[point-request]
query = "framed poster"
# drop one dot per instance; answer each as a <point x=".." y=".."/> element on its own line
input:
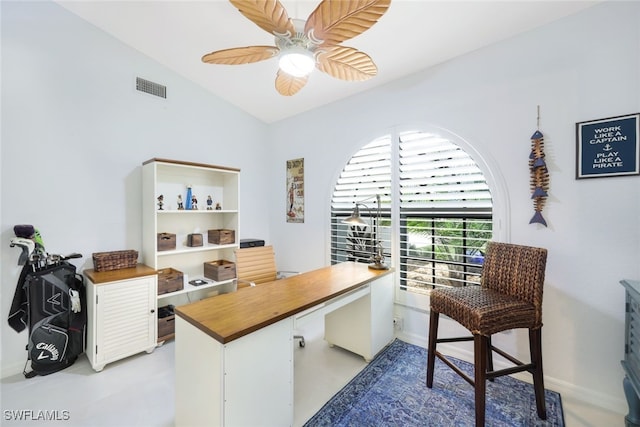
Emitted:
<point x="608" y="147"/>
<point x="295" y="190"/>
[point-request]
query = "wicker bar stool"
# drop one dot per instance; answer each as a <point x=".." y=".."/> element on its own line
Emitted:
<point x="509" y="297"/>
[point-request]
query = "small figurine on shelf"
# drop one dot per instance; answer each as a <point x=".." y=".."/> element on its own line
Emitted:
<point x="180" y="204"/>
<point x="218" y="207"/>
<point x="189" y="197"/>
<point x="194" y="203"/>
<point x="160" y="202"/>
<point x="209" y="203"/>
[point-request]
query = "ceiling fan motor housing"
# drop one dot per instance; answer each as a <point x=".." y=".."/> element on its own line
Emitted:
<point x="297" y="51"/>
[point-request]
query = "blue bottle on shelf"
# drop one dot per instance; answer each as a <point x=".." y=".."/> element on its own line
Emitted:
<point x="187" y="204"/>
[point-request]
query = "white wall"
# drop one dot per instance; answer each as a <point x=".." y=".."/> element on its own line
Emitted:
<point x="75" y="133"/>
<point x="580" y="68"/>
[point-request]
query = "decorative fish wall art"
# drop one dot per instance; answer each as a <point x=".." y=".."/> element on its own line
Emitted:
<point x="539" y="177"/>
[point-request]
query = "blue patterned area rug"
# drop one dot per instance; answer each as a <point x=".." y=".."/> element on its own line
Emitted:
<point x="391" y="391"/>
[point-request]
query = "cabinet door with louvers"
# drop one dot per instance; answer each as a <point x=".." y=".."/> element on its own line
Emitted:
<point x="125" y="319"/>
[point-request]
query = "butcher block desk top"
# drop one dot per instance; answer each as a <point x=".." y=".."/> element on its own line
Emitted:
<point x="230" y="316"/>
<point x="100" y="277"/>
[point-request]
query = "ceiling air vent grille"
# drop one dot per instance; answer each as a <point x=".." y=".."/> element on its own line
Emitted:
<point x="151" y="88"/>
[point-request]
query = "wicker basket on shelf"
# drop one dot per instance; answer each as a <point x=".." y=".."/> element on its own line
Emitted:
<point x="116" y="260"/>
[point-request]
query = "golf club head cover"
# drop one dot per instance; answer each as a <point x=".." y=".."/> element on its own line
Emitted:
<point x="24" y="230"/>
<point x="28" y="231"/>
<point x="37" y="238"/>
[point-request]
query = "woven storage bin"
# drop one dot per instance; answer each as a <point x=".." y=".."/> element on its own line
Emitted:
<point x="169" y="280"/>
<point x="220" y="270"/>
<point x="222" y="237"/>
<point x="117" y="260"/>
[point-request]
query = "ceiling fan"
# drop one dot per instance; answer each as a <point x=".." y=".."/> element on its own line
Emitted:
<point x="304" y="45"/>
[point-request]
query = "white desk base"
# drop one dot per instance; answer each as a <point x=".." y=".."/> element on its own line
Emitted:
<point x="242" y="383"/>
<point x="249" y="381"/>
<point x="365" y="325"/>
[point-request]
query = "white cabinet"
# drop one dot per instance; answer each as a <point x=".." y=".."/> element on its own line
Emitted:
<point x="121" y="310"/>
<point x="170" y="179"/>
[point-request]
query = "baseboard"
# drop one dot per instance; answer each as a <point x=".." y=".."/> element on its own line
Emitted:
<point x="566" y="390"/>
<point x="587" y="396"/>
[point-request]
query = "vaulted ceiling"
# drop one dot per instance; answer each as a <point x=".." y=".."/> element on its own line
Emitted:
<point x="413" y="35"/>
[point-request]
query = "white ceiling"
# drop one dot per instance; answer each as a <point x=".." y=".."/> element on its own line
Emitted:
<point x="411" y="36"/>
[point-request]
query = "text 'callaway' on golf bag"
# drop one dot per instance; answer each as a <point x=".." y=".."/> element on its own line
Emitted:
<point x="50" y="300"/>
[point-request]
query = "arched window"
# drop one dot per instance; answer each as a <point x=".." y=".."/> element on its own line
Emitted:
<point x="435" y="209"/>
<point x="366" y="176"/>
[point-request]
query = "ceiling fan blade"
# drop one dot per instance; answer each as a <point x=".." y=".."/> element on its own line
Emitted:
<point x="288" y="85"/>
<point x="269" y="15"/>
<point x="335" y="21"/>
<point x="241" y="55"/>
<point x="346" y="63"/>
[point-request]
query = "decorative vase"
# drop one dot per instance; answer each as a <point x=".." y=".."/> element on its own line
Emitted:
<point x="187" y="204"/>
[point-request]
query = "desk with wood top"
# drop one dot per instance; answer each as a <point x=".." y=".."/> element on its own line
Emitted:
<point x="234" y="352"/>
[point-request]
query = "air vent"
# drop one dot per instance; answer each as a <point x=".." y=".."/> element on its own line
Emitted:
<point x="151" y="88"/>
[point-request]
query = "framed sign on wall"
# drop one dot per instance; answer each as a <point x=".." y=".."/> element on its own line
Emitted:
<point x="608" y="147"/>
<point x="295" y="190"/>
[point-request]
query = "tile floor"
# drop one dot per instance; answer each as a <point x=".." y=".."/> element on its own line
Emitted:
<point x="138" y="391"/>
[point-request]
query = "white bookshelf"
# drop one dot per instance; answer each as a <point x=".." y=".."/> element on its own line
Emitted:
<point x="170" y="178"/>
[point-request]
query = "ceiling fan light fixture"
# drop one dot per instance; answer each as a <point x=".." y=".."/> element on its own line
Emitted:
<point x="297" y="61"/>
<point x="303" y="45"/>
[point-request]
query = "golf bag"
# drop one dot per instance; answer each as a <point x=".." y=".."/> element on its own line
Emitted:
<point x="50" y="300"/>
<point x="57" y="318"/>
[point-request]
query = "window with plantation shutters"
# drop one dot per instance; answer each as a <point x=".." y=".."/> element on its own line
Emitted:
<point x="445" y="213"/>
<point x="367" y="175"/>
<point x="436" y="210"/>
